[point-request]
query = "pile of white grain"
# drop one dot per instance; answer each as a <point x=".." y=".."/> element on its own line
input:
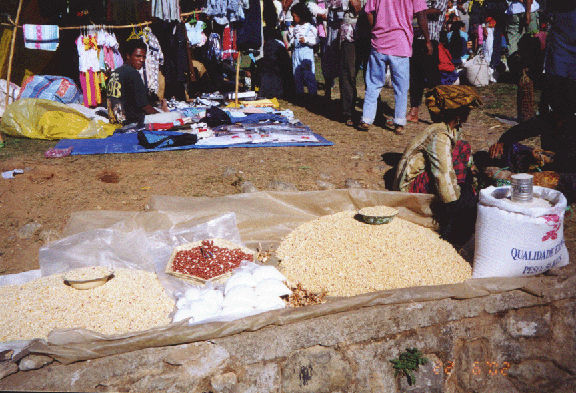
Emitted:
<point x="344" y="256"/>
<point x="132" y="300"/>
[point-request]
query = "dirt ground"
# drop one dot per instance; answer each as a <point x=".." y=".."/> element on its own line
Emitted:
<point x="51" y="189"/>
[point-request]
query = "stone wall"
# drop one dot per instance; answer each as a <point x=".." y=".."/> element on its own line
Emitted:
<point x="508" y="342"/>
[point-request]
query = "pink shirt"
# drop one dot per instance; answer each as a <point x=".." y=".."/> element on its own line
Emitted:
<point x="392" y="33"/>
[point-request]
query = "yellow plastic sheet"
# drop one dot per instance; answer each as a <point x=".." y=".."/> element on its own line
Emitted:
<point x="44" y="119"/>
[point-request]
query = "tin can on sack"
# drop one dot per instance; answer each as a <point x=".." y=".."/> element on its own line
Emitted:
<point x="521" y="186"/>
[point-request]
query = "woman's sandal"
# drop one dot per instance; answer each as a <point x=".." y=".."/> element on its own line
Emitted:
<point x="390" y="123"/>
<point x="412" y="119"/>
<point x="363" y="126"/>
<point x="349" y="122"/>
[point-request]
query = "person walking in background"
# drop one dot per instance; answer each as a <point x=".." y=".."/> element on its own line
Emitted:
<point x="329" y="17"/>
<point x="392" y="37"/>
<point x="522" y="19"/>
<point x="303" y="36"/>
<point x="423" y="68"/>
<point x="354" y="50"/>
<point x="463" y="14"/>
<point x="488" y="42"/>
<point x="496" y="9"/>
<point x="476" y="20"/>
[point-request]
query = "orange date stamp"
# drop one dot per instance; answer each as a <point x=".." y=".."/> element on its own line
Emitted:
<point x="487" y="368"/>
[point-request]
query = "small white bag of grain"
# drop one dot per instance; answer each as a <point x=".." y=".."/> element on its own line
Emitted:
<point x="271" y="287"/>
<point x="519" y="239"/>
<point x="240" y="278"/>
<point x="242" y="295"/>
<point x="269" y="303"/>
<point x="238" y="311"/>
<point x="202" y="310"/>
<point x="266" y="272"/>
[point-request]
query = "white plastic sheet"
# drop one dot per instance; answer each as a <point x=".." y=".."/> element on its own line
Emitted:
<point x="121" y="246"/>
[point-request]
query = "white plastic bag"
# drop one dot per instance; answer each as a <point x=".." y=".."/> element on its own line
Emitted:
<point x="514" y="239"/>
<point x="269" y="303"/>
<point x="476" y="71"/>
<point x="272" y="287"/>
<point x="240" y="295"/>
<point x="265" y="272"/>
<point x="239" y="279"/>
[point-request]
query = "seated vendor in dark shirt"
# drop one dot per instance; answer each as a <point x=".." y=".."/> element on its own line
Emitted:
<point x="127" y="95"/>
<point x="554" y="165"/>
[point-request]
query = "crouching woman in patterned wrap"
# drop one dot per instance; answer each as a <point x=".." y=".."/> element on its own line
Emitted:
<point x="438" y="162"/>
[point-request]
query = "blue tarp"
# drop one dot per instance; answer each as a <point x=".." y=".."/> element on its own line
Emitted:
<point x="128" y="143"/>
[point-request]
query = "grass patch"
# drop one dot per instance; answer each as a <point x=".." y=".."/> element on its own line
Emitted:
<point x="18" y="147"/>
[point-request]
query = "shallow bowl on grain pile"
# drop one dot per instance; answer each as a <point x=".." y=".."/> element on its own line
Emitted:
<point x="94" y="281"/>
<point x="377" y="215"/>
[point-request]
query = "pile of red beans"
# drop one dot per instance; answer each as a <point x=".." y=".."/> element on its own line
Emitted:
<point x="208" y="261"/>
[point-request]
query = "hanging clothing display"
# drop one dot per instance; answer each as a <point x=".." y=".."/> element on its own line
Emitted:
<point x="196" y="36"/>
<point x="229" y="43"/>
<point x="173" y="42"/>
<point x="250" y="33"/>
<point x="225" y="11"/>
<point x="88" y="58"/>
<point x="167" y="10"/>
<point x="112" y="57"/>
<point x="97" y="53"/>
<point x="43" y="37"/>
<point x="154" y="59"/>
<point x="214" y="49"/>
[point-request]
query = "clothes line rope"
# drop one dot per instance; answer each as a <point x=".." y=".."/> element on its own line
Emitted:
<point x="107" y="26"/>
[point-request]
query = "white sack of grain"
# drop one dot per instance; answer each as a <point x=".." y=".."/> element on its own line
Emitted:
<point x="182" y="314"/>
<point x="183" y="303"/>
<point x="213" y="296"/>
<point x="205" y="318"/>
<point x="192" y="294"/>
<point x="269" y="303"/>
<point x="240" y="278"/>
<point x="202" y="310"/>
<point x="240" y="295"/>
<point x="476" y="71"/>
<point x="514" y="239"/>
<point x="238" y="311"/>
<point x="272" y="287"/>
<point x="246" y="267"/>
<point x="265" y="272"/>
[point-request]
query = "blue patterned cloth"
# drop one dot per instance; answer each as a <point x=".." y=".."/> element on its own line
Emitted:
<point x="43" y="37"/>
<point x="49" y="87"/>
